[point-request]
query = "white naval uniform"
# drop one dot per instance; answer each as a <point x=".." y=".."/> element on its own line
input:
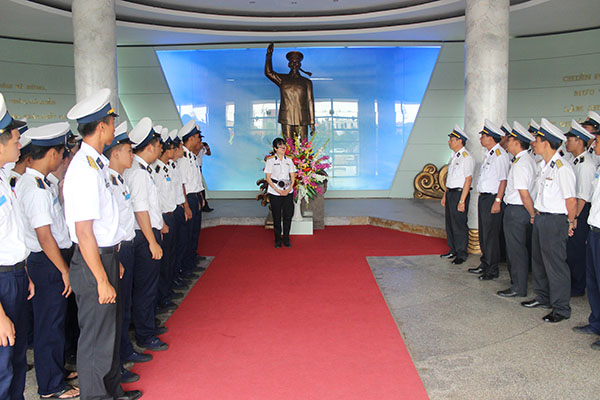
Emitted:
<point x="554" y="184"/>
<point x="201" y="154"/>
<point x="585" y="170"/>
<point x="521" y="176"/>
<point x="54" y="181"/>
<point x="494" y="169"/>
<point x="176" y="177"/>
<point x="591" y="151"/>
<point x="12" y="234"/>
<point x="594" y="218"/>
<point x="123" y="196"/>
<point x="88" y="196"/>
<point x="40" y="207"/>
<point x="144" y="193"/>
<point x="280" y="170"/>
<point x="460" y="167"/>
<point x="562" y="151"/>
<point x="165" y="186"/>
<point x="191" y="177"/>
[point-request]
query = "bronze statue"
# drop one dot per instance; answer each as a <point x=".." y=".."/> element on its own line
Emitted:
<point x="297" y="106"/>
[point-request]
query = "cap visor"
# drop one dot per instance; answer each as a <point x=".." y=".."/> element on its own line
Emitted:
<point x="15" y="124"/>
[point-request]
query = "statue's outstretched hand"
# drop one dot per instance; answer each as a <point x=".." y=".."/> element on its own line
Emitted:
<point x="270" y="49"/>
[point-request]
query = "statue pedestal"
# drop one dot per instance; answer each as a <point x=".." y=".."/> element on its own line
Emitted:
<point x="316" y="209"/>
<point x="302" y="227"/>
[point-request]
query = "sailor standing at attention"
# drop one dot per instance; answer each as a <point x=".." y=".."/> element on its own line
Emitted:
<point x="555" y="204"/>
<point x="13" y="276"/>
<point x="47" y="236"/>
<point x="457" y="195"/>
<point x="519" y="212"/>
<point x="491" y="186"/>
<point x="577" y="140"/>
<point x="92" y="216"/>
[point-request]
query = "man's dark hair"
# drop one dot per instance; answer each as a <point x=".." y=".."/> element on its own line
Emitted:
<point x="108" y="152"/>
<point x="140" y="149"/>
<point x="90" y="127"/>
<point x="5" y="136"/>
<point x="277" y="142"/>
<point x="168" y="146"/>
<point x="524" y="145"/>
<point x="553" y="145"/>
<point x="39" y="152"/>
<point x="497" y="140"/>
<point x="463" y="141"/>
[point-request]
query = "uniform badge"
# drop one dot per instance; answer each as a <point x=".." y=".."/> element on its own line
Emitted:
<point x="559" y="163"/>
<point x="40" y="183"/>
<point x="464" y="153"/>
<point x="114" y="180"/>
<point x="515" y="160"/>
<point x="13" y="181"/>
<point x="92" y="162"/>
<point x="2" y="200"/>
<point x="498" y="152"/>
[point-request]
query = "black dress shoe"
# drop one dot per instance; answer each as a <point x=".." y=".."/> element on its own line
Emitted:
<point x="586" y="330"/>
<point x="448" y="255"/>
<point x="554" y="317"/>
<point x="130" y="395"/>
<point x="487" y="277"/>
<point x="506" y="293"/>
<point x="161" y="330"/>
<point x="534" y="303"/>
<point x="277" y="245"/>
<point x="128" y="376"/>
<point x="287" y="244"/>
<point x="477" y="270"/>
<point x="175" y="296"/>
<point x="458" y="261"/>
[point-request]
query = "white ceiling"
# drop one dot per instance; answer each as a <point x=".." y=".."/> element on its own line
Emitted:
<point x="160" y="22"/>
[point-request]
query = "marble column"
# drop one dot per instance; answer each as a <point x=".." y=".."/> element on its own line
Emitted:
<point x="95" y="47"/>
<point x="486" y="76"/>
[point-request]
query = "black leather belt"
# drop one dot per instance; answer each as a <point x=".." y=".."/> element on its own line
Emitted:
<point x="487" y="194"/>
<point x="547" y="213"/>
<point x="9" y="268"/>
<point x="127" y="242"/>
<point x="457" y="189"/>
<point x="105" y="250"/>
<point x="594" y="229"/>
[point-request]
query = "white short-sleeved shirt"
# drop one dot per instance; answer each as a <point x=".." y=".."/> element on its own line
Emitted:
<point x="54" y="181"/>
<point x="123" y="196"/>
<point x="12" y="234"/>
<point x="584" y="169"/>
<point x="280" y="170"/>
<point x="555" y="183"/>
<point x="521" y="176"/>
<point x="177" y="185"/>
<point x="191" y="177"/>
<point x="165" y="186"/>
<point x="591" y="151"/>
<point x="40" y="207"/>
<point x="460" y="167"/>
<point x="201" y="155"/>
<point x="494" y="169"/>
<point x="88" y="196"/>
<point x="144" y="194"/>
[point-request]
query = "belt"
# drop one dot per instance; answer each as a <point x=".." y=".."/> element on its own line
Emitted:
<point x="12" y="268"/>
<point x="105" y="250"/>
<point x="488" y="194"/>
<point x="547" y="213"/>
<point x="594" y="229"/>
<point x="127" y="242"/>
<point x="457" y="189"/>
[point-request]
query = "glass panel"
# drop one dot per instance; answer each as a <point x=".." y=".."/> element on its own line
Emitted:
<point x="367" y="100"/>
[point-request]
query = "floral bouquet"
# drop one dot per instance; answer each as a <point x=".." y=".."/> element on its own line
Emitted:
<point x="310" y="166"/>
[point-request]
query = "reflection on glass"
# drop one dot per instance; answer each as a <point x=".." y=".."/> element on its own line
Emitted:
<point x="367" y="100"/>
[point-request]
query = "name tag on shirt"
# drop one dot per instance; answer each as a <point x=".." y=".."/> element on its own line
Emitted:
<point x="168" y="179"/>
<point x="55" y="200"/>
<point x="2" y="200"/>
<point x="127" y="196"/>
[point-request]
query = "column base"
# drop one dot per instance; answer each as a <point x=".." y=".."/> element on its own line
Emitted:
<point x="473" y="245"/>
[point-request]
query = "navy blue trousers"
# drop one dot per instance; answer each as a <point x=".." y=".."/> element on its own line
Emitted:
<point x="49" y="312"/>
<point x="180" y="246"/>
<point x="576" y="253"/>
<point x="168" y="260"/>
<point x="126" y="258"/>
<point x="593" y="278"/>
<point x="192" y="227"/>
<point x="13" y="360"/>
<point x="145" y="287"/>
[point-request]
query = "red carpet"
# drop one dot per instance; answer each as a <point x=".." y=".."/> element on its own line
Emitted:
<point x="302" y="323"/>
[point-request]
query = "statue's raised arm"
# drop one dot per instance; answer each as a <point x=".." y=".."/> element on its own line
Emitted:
<point x="297" y="108"/>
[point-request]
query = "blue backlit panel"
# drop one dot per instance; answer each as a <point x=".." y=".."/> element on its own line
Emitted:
<point x="366" y="102"/>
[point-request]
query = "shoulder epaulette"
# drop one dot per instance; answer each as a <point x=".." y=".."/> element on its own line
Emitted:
<point x="40" y="183"/>
<point x="559" y="163"/>
<point x="114" y="180"/>
<point x="13" y="181"/>
<point x="464" y="153"/>
<point x="92" y="163"/>
<point x="516" y="159"/>
<point x="498" y="153"/>
<point x="269" y="157"/>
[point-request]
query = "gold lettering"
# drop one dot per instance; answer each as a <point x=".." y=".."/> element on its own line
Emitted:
<point x="584" y="92"/>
